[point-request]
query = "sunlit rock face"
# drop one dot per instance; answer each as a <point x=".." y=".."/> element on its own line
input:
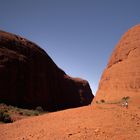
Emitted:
<point x="122" y="75"/>
<point x="29" y="78"/>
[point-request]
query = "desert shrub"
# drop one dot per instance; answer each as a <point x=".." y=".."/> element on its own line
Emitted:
<point x="36" y="113"/>
<point x="125" y="98"/>
<point x="29" y="113"/>
<point x="97" y="102"/>
<point x="1" y="115"/>
<point x="26" y="113"/>
<point x="39" y="108"/>
<point x="102" y="101"/>
<point x="5" y="117"/>
<point x="20" y="112"/>
<point x="6" y="111"/>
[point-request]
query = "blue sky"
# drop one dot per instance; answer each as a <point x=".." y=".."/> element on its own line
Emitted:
<point x="79" y="35"/>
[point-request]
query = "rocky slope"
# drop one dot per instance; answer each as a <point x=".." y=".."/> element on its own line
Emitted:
<point x="30" y="78"/>
<point x="122" y="74"/>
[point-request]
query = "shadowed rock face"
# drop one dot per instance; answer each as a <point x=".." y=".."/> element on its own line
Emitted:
<point x="122" y="75"/>
<point x="30" y="78"/>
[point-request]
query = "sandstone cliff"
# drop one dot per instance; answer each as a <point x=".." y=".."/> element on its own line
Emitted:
<point x="30" y="78"/>
<point x="122" y="74"/>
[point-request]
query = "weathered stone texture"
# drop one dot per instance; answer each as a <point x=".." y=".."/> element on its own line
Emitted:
<point x="30" y="78"/>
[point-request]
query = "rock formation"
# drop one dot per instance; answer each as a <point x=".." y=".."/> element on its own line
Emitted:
<point x="29" y="78"/>
<point x="121" y="77"/>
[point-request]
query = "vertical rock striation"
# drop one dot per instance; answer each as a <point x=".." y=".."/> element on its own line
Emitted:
<point x="30" y="78"/>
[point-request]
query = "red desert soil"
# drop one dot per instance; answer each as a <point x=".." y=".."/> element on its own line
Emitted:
<point x="94" y="122"/>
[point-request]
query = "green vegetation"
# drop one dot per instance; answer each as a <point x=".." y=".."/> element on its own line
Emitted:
<point x="7" y="112"/>
<point x="27" y="112"/>
<point x="39" y="109"/>
<point x="125" y="98"/>
<point x="5" y="117"/>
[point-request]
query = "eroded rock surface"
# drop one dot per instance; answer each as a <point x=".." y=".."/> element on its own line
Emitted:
<point x="30" y="78"/>
<point x="122" y="75"/>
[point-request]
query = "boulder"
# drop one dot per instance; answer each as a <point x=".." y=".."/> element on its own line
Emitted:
<point x="29" y="78"/>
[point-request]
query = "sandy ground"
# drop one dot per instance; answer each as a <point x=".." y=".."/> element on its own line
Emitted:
<point x="94" y="122"/>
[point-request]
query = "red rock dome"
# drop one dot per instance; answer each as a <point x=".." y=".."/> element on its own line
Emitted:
<point x="29" y="77"/>
<point x="122" y="75"/>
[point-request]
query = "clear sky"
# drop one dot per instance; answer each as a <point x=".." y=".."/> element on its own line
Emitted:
<point x="79" y="35"/>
